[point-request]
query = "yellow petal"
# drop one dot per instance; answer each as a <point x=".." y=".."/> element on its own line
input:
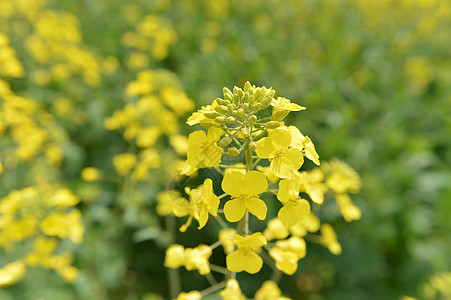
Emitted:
<point x="254" y="183"/>
<point x="288" y="215"/>
<point x="302" y="208"/>
<point x="214" y="134"/>
<point x="235" y="260"/>
<point x="257" y="207"/>
<point x="232" y="183"/>
<point x="264" y="148"/>
<point x="280" y="137"/>
<point x="253" y="263"/>
<point x="234" y="210"/>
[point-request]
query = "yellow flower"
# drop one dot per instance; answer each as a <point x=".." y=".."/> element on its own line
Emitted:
<point x="276" y="147"/>
<point x="197" y="259"/>
<point x="193" y="295"/>
<point x="11" y="273"/>
<point x="245" y="257"/>
<point x="298" y="140"/>
<point x="244" y="189"/>
<point x="286" y="261"/>
<point x="226" y="235"/>
<point x="232" y="291"/>
<point x="200" y="118"/>
<point x="170" y="201"/>
<point x="282" y="107"/>
<point x="348" y="210"/>
<point x="341" y="178"/>
<point x="64" y="225"/>
<point x="90" y="174"/>
<point x="310" y="224"/>
<point x="175" y="256"/>
<point x="294" y="207"/>
<point x="202" y="202"/>
<point x="311" y="184"/>
<point x="329" y="239"/>
<point x="275" y="230"/>
<point x="124" y="162"/>
<point x="203" y="151"/>
<point x="269" y="291"/>
<point x="287" y="253"/>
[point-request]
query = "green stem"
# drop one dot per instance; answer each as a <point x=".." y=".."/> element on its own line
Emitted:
<point x="173" y="274"/>
<point x="213" y="288"/>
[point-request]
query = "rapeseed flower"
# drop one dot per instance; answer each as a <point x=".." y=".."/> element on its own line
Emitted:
<point x="276" y="147"/>
<point x="244" y="189"/>
<point x="294" y="207"/>
<point x="203" y="151"/>
<point x="232" y="291"/>
<point x="245" y="258"/>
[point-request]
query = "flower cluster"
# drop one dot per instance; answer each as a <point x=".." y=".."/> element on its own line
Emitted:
<point x="157" y="101"/>
<point x="38" y="216"/>
<point x="152" y="34"/>
<point x="259" y="158"/>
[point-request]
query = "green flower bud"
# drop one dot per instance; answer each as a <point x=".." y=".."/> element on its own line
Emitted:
<point x="279" y="115"/>
<point x="225" y="141"/>
<point x="247" y="86"/>
<point x="266" y="101"/>
<point x="221" y="109"/>
<point x="233" y="151"/>
<point x="240" y="112"/>
<point x="222" y="101"/>
<point x="252" y="119"/>
<point x="245" y="106"/>
<point x="230" y="108"/>
<point x="257" y="106"/>
<point x="221" y="119"/>
<point x="227" y="94"/>
<point x="272" y="124"/>
<point x="252" y="145"/>
<point x="211" y="114"/>
<point x="231" y="120"/>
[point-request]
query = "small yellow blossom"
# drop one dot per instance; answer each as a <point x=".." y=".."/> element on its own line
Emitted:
<point x="203" y="151"/>
<point x="175" y="256"/>
<point x="341" y="178"/>
<point x="226" y="235"/>
<point x="269" y="291"/>
<point x="232" y="291"/>
<point x="276" y="147"/>
<point x="90" y="174"/>
<point x="294" y="207"/>
<point x="123" y="163"/>
<point x="348" y="210"/>
<point x="310" y="224"/>
<point x="200" y="118"/>
<point x="282" y="107"/>
<point x="203" y="201"/>
<point x="193" y="295"/>
<point x="197" y="259"/>
<point x="245" y="257"/>
<point x="11" y="273"/>
<point x="275" y="230"/>
<point x="329" y="239"/>
<point x="286" y="261"/>
<point x="244" y="189"/>
<point x="312" y="184"/>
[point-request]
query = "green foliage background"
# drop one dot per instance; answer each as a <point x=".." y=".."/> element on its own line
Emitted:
<point x="375" y="77"/>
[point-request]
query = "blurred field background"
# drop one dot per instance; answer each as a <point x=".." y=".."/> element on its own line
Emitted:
<point x="375" y="77"/>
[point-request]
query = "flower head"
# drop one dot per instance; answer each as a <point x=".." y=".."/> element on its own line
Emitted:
<point x="244" y="189"/>
<point x="276" y="147"/>
<point x="245" y="257"/>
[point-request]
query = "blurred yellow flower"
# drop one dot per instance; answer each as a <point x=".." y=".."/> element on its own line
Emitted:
<point x="269" y="291"/>
<point x="90" y="174"/>
<point x="329" y="239"/>
<point x="123" y="163"/>
<point x="232" y="291"/>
